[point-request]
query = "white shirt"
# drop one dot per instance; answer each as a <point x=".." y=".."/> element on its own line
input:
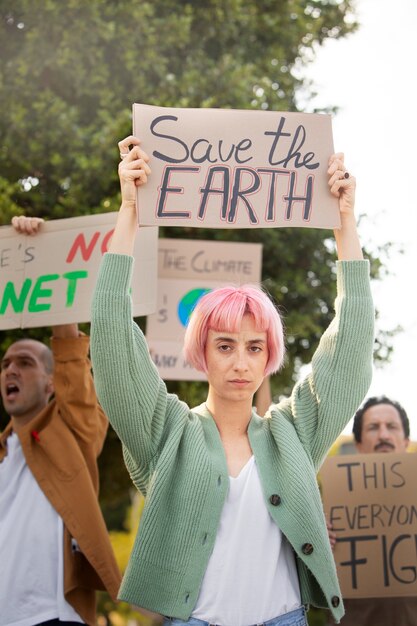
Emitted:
<point x="251" y="576"/>
<point x="31" y="547"/>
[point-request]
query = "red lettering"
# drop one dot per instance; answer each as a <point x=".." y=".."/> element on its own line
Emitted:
<point x="81" y="244"/>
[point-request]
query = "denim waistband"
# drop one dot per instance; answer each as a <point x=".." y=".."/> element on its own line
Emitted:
<point x="293" y="618"/>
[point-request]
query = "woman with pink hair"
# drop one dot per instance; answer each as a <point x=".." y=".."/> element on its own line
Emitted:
<point x="233" y="531"/>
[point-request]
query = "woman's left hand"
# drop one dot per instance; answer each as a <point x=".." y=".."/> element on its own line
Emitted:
<point x="342" y="184"/>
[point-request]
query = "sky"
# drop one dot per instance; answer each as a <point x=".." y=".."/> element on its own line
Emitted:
<point x="370" y="77"/>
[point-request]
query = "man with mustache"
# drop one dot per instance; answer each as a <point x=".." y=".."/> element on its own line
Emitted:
<point x="380" y="425"/>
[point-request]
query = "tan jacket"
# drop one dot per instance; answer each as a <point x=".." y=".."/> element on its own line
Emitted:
<point x="61" y="445"/>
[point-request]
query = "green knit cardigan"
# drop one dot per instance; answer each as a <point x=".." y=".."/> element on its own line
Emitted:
<point x="176" y="459"/>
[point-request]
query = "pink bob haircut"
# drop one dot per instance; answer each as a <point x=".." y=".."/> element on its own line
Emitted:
<point x="222" y="310"/>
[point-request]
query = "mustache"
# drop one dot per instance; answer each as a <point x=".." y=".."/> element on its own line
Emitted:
<point x="384" y="444"/>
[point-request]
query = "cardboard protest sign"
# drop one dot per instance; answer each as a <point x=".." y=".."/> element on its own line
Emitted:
<point x="49" y="278"/>
<point x="371" y="502"/>
<point x="225" y="168"/>
<point x="186" y="270"/>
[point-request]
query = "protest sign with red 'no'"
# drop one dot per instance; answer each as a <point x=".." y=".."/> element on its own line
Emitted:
<point x="49" y="278"/>
<point x="223" y="168"/>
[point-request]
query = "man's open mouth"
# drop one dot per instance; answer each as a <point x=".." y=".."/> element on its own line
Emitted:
<point x="11" y="389"/>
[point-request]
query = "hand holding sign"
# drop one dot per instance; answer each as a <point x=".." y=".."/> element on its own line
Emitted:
<point x="342" y="185"/>
<point x="133" y="168"/>
<point x="26" y="225"/>
<point x="133" y="172"/>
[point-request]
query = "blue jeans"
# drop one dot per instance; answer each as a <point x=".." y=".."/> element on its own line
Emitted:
<point x="294" y="618"/>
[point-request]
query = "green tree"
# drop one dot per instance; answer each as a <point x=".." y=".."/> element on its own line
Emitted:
<point x="69" y="74"/>
<point x="71" y="70"/>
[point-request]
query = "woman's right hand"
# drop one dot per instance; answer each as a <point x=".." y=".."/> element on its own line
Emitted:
<point x="133" y="168"/>
<point x="133" y="172"/>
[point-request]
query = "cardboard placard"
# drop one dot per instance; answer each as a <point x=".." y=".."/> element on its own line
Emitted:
<point x="49" y="278"/>
<point x="225" y="168"/>
<point x="371" y="502"/>
<point x="186" y="270"/>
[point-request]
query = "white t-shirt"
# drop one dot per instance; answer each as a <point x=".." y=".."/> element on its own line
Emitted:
<point x="251" y="576"/>
<point x="31" y="548"/>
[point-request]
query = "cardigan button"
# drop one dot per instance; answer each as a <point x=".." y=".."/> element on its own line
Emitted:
<point x="307" y="548"/>
<point x="275" y="499"/>
<point x="335" y="601"/>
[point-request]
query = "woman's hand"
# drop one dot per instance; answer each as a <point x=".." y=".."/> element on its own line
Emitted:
<point x="133" y="172"/>
<point x="342" y="184"/>
<point x="133" y="168"/>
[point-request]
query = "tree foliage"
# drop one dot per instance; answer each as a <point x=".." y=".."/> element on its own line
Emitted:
<point x="69" y="74"/>
<point x="71" y="70"/>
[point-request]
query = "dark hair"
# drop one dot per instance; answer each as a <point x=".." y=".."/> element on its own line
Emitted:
<point x="375" y="400"/>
